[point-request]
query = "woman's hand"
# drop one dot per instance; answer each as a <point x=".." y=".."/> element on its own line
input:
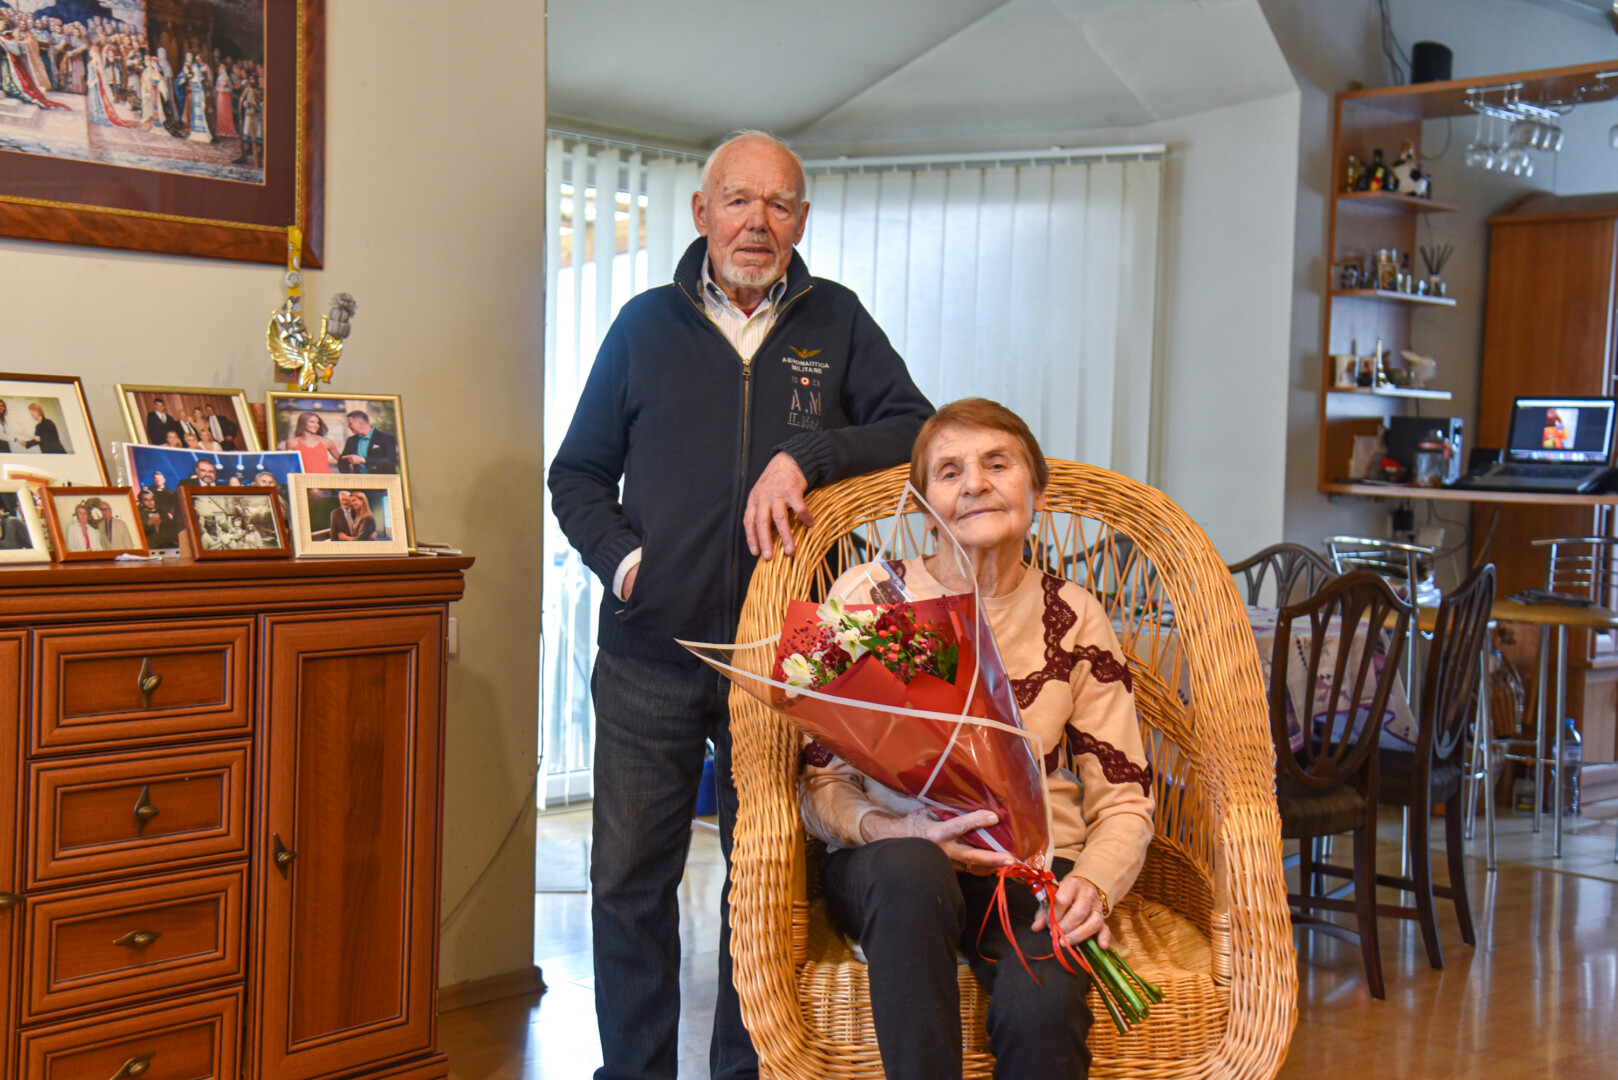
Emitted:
<point x="881" y="825"/>
<point x="1078" y="912"/>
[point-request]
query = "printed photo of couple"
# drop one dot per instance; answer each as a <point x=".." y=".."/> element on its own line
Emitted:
<point x="335" y="434"/>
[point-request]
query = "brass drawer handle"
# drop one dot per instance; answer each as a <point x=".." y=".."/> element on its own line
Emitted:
<point x="283" y="854"/>
<point x="135" y="1066"/>
<point x="144" y="809"/>
<point x="139" y="939"/>
<point x="9" y="900"/>
<point x="148" y="681"/>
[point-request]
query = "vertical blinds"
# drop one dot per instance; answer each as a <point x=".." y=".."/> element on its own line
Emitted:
<point x="1033" y="284"/>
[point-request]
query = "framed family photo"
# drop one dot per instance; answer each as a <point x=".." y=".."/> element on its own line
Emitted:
<point x="158" y="472"/>
<point x="93" y="523"/>
<point x="348" y="515"/>
<point x="22" y="532"/>
<point x="45" y="423"/>
<point x="188" y="417"/>
<point x="193" y="127"/>
<point x="235" y="523"/>
<point x="353" y="434"/>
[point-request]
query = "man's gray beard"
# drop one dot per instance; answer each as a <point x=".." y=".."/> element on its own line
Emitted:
<point x="747" y="276"/>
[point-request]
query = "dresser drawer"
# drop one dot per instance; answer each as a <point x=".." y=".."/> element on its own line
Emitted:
<point x="136" y="812"/>
<point x="90" y="947"/>
<point x="141" y="683"/>
<point x="191" y="1039"/>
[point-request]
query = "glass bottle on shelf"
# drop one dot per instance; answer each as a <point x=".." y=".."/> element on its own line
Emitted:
<point x="1356" y="171"/>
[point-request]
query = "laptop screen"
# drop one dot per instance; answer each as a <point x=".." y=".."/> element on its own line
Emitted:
<point x="1572" y="429"/>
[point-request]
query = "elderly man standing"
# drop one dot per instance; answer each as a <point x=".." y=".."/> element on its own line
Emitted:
<point x="719" y="401"/>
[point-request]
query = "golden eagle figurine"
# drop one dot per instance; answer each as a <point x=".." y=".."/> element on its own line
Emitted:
<point x="314" y="358"/>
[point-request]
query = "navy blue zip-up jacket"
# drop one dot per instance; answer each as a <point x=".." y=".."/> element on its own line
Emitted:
<point x="671" y="408"/>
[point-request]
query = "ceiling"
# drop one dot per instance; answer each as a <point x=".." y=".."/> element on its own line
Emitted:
<point x="834" y="75"/>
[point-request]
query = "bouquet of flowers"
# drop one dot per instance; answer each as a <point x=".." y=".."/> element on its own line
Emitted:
<point x="912" y="693"/>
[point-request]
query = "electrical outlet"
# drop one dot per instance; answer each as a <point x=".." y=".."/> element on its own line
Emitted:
<point x="452" y="640"/>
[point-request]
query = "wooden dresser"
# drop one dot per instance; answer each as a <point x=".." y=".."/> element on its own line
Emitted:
<point x="221" y="853"/>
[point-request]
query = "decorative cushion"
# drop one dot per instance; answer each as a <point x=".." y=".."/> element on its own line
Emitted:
<point x="1307" y="811"/>
<point x="1397" y="774"/>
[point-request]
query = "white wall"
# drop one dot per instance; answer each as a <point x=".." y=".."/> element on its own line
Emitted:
<point x="1328" y="45"/>
<point x="434" y="224"/>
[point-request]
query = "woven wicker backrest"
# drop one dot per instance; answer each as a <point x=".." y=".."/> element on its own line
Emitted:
<point x="1216" y="857"/>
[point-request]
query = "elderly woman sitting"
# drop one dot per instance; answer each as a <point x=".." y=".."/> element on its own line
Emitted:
<point x="902" y="882"/>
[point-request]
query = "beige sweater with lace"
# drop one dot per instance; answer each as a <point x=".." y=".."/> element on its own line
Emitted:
<point x="1074" y="690"/>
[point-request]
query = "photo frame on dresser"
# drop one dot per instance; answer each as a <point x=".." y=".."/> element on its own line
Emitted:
<point x="22" y="532"/>
<point x="188" y="417"/>
<point x="45" y="423"/>
<point x="235" y="523"/>
<point x="89" y="523"/>
<point x="348" y="515"/>
<point x="329" y="431"/>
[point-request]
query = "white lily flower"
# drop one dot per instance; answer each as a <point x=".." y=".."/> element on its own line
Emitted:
<point x="863" y="618"/>
<point x="849" y="639"/>
<point x="832" y="612"/>
<point x="797" y="670"/>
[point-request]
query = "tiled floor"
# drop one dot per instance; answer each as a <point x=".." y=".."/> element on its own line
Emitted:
<point x="1536" y="997"/>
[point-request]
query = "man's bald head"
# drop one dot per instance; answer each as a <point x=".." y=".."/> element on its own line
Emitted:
<point x="752" y="139"/>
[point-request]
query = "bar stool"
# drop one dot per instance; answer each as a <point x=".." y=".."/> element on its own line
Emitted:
<point x="1579" y="567"/>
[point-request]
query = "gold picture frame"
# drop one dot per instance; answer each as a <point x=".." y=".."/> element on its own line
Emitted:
<point x="316" y="502"/>
<point x="135" y="401"/>
<point x="283" y="412"/>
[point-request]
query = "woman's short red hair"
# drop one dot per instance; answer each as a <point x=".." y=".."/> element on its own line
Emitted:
<point x="982" y="415"/>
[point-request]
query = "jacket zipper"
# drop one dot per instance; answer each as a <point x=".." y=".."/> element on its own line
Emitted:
<point x="747" y="419"/>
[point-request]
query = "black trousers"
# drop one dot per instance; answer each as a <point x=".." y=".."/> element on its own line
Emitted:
<point x="651" y="720"/>
<point x="911" y="911"/>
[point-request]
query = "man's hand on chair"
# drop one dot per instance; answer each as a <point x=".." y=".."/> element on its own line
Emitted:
<point x="779" y="490"/>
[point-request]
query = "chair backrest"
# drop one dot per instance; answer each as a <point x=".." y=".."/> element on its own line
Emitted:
<point x="1452" y="666"/>
<point x="1407" y="567"/>
<point x="1297" y="571"/>
<point x="1581" y="566"/>
<point x="1343" y="622"/>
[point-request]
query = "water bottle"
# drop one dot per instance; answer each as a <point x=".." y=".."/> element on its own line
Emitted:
<point x="1568" y="773"/>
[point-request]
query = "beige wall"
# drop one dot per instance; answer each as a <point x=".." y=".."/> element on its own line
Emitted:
<point x="434" y="208"/>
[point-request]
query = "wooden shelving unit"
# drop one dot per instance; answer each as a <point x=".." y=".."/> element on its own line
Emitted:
<point x="1360" y="223"/>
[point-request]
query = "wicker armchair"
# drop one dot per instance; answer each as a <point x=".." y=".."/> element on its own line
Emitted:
<point x="1207" y="919"/>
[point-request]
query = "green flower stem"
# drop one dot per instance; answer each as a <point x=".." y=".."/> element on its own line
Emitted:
<point x="1118" y="1021"/>
<point x="1105" y="964"/>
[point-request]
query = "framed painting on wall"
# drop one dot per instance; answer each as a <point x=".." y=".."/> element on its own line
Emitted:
<point x="192" y="127"/>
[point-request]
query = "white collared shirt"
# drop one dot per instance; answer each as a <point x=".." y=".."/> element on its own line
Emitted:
<point x="745" y="331"/>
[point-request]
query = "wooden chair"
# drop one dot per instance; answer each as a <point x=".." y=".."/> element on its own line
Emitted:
<point x="1432" y="773"/>
<point x="1206" y="921"/>
<point x="1288" y="565"/>
<point x="1326" y="782"/>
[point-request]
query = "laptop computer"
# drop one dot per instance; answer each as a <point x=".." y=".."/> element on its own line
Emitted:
<point x="1556" y="445"/>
